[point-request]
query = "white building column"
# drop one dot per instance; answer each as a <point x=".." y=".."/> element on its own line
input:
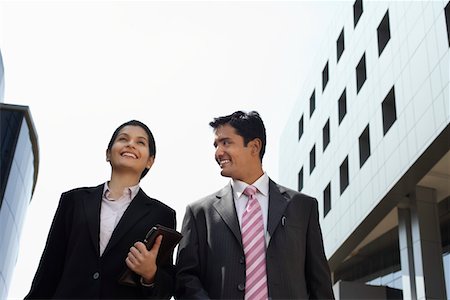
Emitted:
<point x="406" y="252"/>
<point x="420" y="246"/>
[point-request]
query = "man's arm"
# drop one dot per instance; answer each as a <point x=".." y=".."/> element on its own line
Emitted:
<point x="318" y="277"/>
<point x="189" y="275"/>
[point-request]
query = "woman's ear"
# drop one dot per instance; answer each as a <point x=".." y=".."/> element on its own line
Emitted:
<point x="108" y="155"/>
<point x="150" y="162"/>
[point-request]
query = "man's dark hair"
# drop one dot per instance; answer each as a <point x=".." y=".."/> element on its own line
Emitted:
<point x="248" y="125"/>
<point x="151" y="139"/>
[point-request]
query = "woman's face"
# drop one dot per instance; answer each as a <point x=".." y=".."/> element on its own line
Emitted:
<point x="130" y="150"/>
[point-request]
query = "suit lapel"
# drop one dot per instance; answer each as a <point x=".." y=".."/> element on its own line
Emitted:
<point x="138" y="208"/>
<point x="224" y="206"/>
<point x="277" y="206"/>
<point x="92" y="209"/>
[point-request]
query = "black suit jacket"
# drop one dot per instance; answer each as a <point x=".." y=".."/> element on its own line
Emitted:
<point x="211" y="262"/>
<point x="71" y="267"/>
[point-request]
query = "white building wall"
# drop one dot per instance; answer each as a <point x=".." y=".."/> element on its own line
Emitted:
<point x="416" y="62"/>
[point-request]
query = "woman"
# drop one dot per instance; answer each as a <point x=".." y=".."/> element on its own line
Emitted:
<point x="96" y="231"/>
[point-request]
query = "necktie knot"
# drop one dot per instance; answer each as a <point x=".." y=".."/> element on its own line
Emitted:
<point x="250" y="191"/>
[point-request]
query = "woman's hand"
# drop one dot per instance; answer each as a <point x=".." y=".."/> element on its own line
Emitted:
<point x="142" y="261"/>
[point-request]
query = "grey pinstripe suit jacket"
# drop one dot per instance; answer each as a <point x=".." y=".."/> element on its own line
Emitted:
<point x="211" y="263"/>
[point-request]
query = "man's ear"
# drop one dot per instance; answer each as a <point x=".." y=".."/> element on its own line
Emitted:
<point x="150" y="162"/>
<point x="255" y="146"/>
<point x="108" y="155"/>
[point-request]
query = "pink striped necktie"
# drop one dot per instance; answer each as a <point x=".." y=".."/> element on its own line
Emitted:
<point x="254" y="248"/>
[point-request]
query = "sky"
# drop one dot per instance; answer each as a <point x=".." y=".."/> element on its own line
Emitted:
<point x="86" y="67"/>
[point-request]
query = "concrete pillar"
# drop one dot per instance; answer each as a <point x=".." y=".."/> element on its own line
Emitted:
<point x="420" y="246"/>
<point x="406" y="252"/>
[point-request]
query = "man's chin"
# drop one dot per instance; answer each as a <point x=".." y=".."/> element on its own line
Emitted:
<point x="224" y="173"/>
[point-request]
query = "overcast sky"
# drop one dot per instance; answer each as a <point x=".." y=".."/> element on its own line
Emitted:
<point x="84" y="68"/>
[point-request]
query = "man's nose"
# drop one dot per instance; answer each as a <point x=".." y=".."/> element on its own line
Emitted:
<point x="219" y="152"/>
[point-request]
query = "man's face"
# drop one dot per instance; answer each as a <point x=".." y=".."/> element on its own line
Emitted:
<point x="235" y="159"/>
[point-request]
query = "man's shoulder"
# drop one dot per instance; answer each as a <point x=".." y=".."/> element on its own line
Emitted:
<point x="209" y="200"/>
<point x="293" y="194"/>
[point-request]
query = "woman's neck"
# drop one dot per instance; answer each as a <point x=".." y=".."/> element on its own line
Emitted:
<point x="119" y="182"/>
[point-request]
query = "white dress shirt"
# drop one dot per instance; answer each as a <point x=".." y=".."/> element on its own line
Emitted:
<point x="262" y="195"/>
<point x="111" y="212"/>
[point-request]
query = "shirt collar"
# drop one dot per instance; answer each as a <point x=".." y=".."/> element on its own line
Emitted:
<point x="261" y="184"/>
<point x="129" y="192"/>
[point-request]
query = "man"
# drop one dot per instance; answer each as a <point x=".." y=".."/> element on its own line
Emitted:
<point x="253" y="239"/>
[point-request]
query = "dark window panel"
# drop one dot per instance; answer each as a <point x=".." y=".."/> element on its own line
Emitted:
<point x="447" y="20"/>
<point x="300" y="128"/>
<point x="357" y="11"/>
<point x="325" y="77"/>
<point x="327" y="199"/>
<point x="300" y="180"/>
<point x="383" y="33"/>
<point x="361" y="73"/>
<point x="312" y="159"/>
<point x="389" y="111"/>
<point x="326" y="134"/>
<point x="343" y="174"/>
<point x="312" y="103"/>
<point x="364" y="146"/>
<point x="342" y="106"/>
<point x="340" y="45"/>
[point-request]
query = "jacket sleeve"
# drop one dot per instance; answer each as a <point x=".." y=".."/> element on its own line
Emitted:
<point x="51" y="265"/>
<point x="188" y="278"/>
<point x="318" y="276"/>
<point x="164" y="284"/>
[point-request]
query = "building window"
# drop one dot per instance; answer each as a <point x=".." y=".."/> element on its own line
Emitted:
<point x="361" y="73"/>
<point x="389" y="111"/>
<point x="447" y="19"/>
<point x="300" y="128"/>
<point x="384" y="33"/>
<point x="343" y="174"/>
<point x="327" y="199"/>
<point x="300" y="180"/>
<point x="312" y="159"/>
<point x="326" y="134"/>
<point x="340" y="45"/>
<point x="357" y="11"/>
<point x="364" y="146"/>
<point x="312" y="103"/>
<point x="324" y="77"/>
<point x="342" y="106"/>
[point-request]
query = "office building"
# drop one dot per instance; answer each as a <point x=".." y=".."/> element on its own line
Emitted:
<point x="369" y="137"/>
<point x="18" y="174"/>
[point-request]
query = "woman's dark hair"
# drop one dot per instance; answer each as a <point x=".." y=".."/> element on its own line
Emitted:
<point x="151" y="139"/>
<point x="248" y="125"/>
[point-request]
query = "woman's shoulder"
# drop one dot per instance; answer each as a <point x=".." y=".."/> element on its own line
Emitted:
<point x="84" y="190"/>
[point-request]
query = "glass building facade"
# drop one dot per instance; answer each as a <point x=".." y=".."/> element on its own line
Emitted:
<point x="18" y="174"/>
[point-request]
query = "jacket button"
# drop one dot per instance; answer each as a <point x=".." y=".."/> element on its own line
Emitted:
<point x="241" y="287"/>
<point x="96" y="275"/>
<point x="242" y="260"/>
